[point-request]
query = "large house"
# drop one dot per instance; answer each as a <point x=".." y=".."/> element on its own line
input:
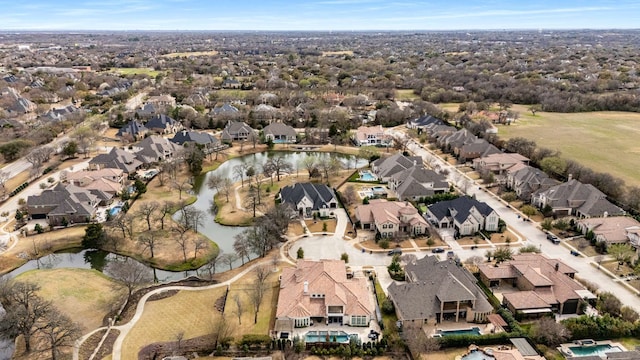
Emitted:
<point x="208" y="142"/>
<point x="155" y="149"/>
<point x="422" y="122"/>
<point x="371" y="135"/>
<point x="163" y="124"/>
<point x="280" y="133"/>
<point x="64" y="205"/>
<point x="476" y="149"/>
<point x="611" y="229"/>
<point x="132" y="131"/>
<point x="320" y="292"/>
<point x="528" y="180"/>
<point x="116" y="159"/>
<point x="391" y="218"/>
<point x="386" y="167"/>
<point x="575" y="198"/>
<point x="309" y="199"/>
<point x="162" y="100"/>
<point x="237" y="131"/>
<point x="107" y="180"/>
<point x="438" y="291"/>
<point x="500" y="163"/>
<point x="536" y="285"/>
<point x="465" y="215"/>
<point x="417" y="182"/>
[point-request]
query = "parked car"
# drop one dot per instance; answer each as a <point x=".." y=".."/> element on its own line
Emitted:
<point x="554" y="239"/>
<point x="451" y="255"/>
<point x="395" y="251"/>
<point x="437" y="250"/>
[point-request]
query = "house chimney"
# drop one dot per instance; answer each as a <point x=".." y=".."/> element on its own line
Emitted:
<point x="605" y="214"/>
<point x="557" y="266"/>
<point x="569" y="177"/>
<point x="306" y="287"/>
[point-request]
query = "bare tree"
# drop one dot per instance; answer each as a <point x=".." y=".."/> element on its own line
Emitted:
<point x="182" y="186"/>
<point x="57" y="331"/>
<point x="210" y="266"/>
<point x="549" y="332"/>
<point x="277" y="165"/>
<point x="146" y="211"/>
<point x="228" y="259"/>
<point x="129" y="274"/>
<point x="309" y="163"/>
<point x="241" y="246"/>
<point x="24" y="311"/>
<point x="179" y="336"/>
<point x="221" y="330"/>
<point x="239" y="172"/>
<point x="199" y="245"/>
<point x="225" y="187"/>
<point x="149" y="240"/>
<point x="4" y="177"/>
<point x="166" y="208"/>
<point x="256" y="294"/>
<point x="239" y="307"/>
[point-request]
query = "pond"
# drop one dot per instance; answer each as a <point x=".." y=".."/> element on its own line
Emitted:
<point x="224" y="235"/>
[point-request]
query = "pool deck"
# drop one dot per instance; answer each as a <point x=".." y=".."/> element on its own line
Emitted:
<point x="431" y="330"/>
<point x="565" y="348"/>
<point x="362" y="332"/>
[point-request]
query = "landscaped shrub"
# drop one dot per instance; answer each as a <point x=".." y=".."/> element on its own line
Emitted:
<point x="254" y="340"/>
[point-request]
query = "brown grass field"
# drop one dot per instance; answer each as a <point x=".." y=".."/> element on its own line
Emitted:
<point x="605" y="141"/>
<point x="190" y="54"/>
<point x="337" y="53"/>
<point x="191" y="312"/>
<point x="83" y="295"/>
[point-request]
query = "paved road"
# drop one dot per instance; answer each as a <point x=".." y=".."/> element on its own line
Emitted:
<point x="136" y="101"/>
<point x="529" y="231"/>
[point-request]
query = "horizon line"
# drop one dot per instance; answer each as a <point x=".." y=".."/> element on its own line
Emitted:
<point x="321" y="31"/>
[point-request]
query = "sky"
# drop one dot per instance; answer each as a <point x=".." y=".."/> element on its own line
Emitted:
<point x="322" y="15"/>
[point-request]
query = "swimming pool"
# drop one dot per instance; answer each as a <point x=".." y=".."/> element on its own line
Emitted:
<point x="321" y="336"/>
<point x="596" y="350"/>
<point x="477" y="355"/>
<point x="473" y="331"/>
<point x="367" y="176"/>
<point x="115" y="210"/>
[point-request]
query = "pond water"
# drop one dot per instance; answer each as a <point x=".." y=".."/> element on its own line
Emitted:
<point x="224" y="235"/>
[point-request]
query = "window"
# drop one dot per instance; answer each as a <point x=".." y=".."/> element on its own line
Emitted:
<point x="384" y="226"/>
<point x="359" y="320"/>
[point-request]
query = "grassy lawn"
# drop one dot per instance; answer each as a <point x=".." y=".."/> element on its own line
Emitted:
<point x="43" y="244"/>
<point x="336" y="53"/>
<point x="191" y="312"/>
<point x="192" y="53"/>
<point x="136" y="71"/>
<point x="616" y="269"/>
<point x="295" y="229"/>
<point x="617" y="132"/>
<point x="267" y="312"/>
<point x="389" y="320"/>
<point x="83" y="295"/>
<point x="406" y="94"/>
<point x="16" y="181"/>
<point x="628" y="343"/>
<point x="317" y="225"/>
<point x="584" y="246"/>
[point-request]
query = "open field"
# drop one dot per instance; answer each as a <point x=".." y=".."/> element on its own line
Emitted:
<point x="337" y="53"/>
<point x="136" y="71"/>
<point x="190" y="312"/>
<point x="83" y="295"/>
<point x="405" y="94"/>
<point x="603" y="141"/>
<point x="192" y="53"/>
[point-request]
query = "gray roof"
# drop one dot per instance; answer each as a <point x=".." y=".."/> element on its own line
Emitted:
<point x="459" y="138"/>
<point x="523" y="346"/>
<point x="529" y="179"/>
<point x="161" y="121"/>
<point x="481" y="147"/>
<point x="386" y="167"/>
<point x="459" y="208"/>
<point x="117" y="159"/>
<point x="624" y="355"/>
<point x="156" y="148"/>
<point x="426" y="120"/>
<point x="281" y="129"/>
<point x="225" y="109"/>
<point x="132" y="128"/>
<point x="431" y="282"/>
<point x="412" y="182"/>
<point x="320" y="194"/>
<point x="70" y="199"/>
<point x="201" y="138"/>
<point x="233" y="128"/>
<point x="583" y="198"/>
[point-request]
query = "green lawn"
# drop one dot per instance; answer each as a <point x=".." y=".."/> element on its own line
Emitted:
<point x="406" y="94"/>
<point x="604" y="141"/>
<point x="136" y="71"/>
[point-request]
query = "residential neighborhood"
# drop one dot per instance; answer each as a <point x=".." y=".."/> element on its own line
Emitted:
<point x="177" y="195"/>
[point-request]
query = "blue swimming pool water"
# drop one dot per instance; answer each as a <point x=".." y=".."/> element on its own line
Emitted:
<point x="597" y="350"/>
<point x="472" y="331"/>
<point x="321" y="336"/>
<point x="115" y="210"/>
<point x="477" y="355"/>
<point x="367" y="176"/>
